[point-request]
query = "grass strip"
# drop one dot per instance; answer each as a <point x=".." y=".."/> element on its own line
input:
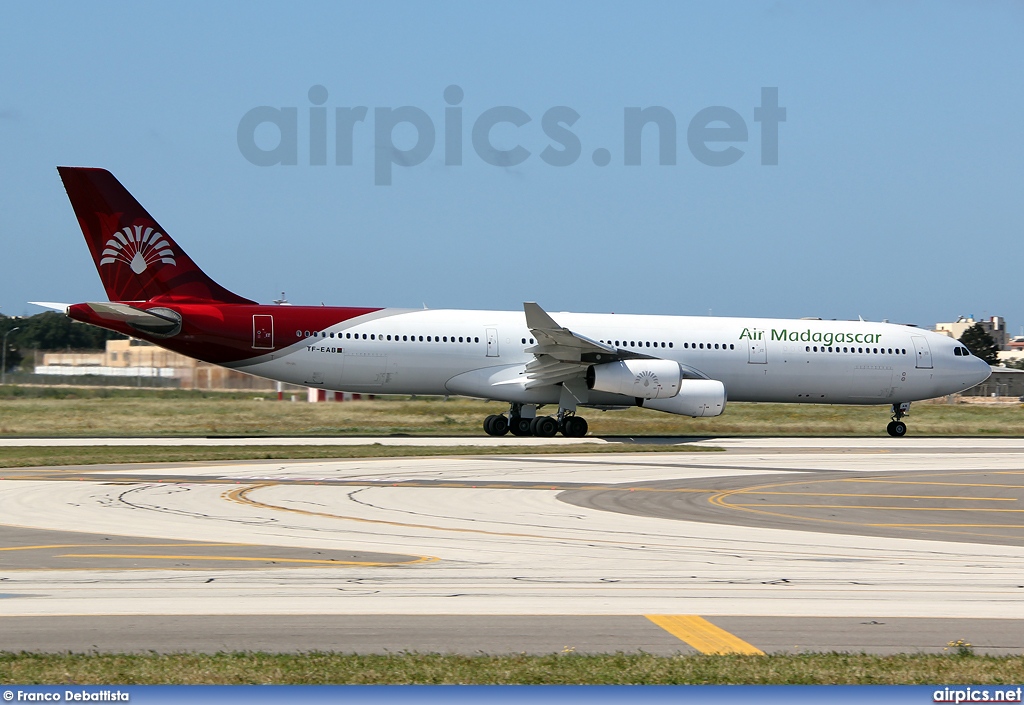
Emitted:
<point x="319" y="668"/>
<point x="25" y="457"/>
<point x="134" y="413"/>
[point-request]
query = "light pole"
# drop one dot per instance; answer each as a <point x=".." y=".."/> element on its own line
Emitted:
<point x="3" y="363"/>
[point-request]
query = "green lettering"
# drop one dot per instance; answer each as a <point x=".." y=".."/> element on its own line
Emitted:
<point x="745" y="335"/>
<point x="778" y="335"/>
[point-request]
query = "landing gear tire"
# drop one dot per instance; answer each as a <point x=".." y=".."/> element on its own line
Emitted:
<point x="520" y="426"/>
<point x="496" y="425"/>
<point x="574" y="427"/>
<point x="544" y="427"/>
<point x="897" y="429"/>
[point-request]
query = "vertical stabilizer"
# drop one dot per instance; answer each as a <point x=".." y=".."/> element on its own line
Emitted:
<point x="136" y="259"/>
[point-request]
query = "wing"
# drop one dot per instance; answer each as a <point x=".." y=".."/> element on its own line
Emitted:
<point x="560" y="354"/>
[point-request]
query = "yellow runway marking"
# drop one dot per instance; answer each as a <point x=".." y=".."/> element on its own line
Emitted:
<point x="241" y="495"/>
<point x="891" y="509"/>
<point x="702" y="634"/>
<point x="884" y="496"/>
<point x="961" y="526"/>
<point x="944" y="484"/>
<point x="423" y="559"/>
<point x="118" y="545"/>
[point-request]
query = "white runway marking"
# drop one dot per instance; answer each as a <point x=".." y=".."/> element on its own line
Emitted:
<point x="511" y="550"/>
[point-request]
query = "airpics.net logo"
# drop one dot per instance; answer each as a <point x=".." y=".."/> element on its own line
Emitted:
<point x="716" y="136"/>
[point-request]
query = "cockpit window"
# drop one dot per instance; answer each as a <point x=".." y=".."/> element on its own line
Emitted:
<point x="958" y="351"/>
<point x="965" y="352"/>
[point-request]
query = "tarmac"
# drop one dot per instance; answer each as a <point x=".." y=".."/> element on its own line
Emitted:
<point x="879" y="545"/>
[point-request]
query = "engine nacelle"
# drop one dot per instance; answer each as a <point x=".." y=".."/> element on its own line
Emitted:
<point x="641" y="379"/>
<point x="696" y="397"/>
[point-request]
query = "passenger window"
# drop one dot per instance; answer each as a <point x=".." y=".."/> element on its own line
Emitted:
<point x="670" y="345"/>
<point x="524" y="341"/>
<point x="298" y="334"/>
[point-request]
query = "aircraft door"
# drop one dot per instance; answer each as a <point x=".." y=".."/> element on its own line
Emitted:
<point x="923" y="351"/>
<point x="492" y="342"/>
<point x="262" y="332"/>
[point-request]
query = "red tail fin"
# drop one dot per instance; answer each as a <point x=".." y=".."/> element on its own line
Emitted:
<point x="136" y="259"/>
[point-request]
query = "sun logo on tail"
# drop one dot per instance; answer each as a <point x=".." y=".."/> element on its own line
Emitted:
<point x="137" y="247"/>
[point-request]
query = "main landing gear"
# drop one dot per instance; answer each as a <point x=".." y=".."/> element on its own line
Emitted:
<point x="896" y="427"/>
<point x="523" y="421"/>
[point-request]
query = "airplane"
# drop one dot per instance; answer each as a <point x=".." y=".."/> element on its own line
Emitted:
<point x="529" y="359"/>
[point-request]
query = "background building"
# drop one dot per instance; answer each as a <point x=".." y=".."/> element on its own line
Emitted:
<point x="126" y="360"/>
<point x="994" y="326"/>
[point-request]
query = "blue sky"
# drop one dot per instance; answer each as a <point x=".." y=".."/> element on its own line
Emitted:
<point x="896" y="194"/>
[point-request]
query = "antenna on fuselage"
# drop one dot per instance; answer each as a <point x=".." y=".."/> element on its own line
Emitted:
<point x="282" y="301"/>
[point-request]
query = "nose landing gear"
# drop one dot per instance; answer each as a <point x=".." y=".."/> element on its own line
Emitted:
<point x="896" y="427"/>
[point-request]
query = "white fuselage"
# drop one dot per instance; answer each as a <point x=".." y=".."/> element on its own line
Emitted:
<point x="482" y="353"/>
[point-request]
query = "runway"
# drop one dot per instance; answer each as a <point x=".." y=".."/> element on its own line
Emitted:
<point x="773" y="545"/>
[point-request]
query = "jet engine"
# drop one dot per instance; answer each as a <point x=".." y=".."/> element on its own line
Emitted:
<point x="642" y="379"/>
<point x="696" y="397"/>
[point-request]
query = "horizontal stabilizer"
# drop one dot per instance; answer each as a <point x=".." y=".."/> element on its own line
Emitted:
<point x="161" y="321"/>
<point x="52" y="305"/>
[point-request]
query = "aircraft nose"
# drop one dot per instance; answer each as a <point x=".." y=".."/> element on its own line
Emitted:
<point x="982" y="372"/>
